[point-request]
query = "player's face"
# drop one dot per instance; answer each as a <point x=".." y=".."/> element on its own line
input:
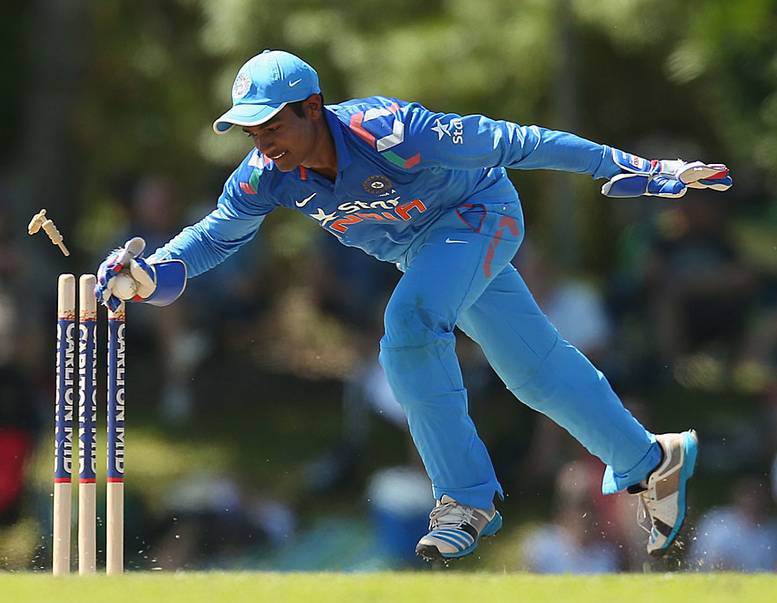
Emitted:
<point x="288" y="139"/>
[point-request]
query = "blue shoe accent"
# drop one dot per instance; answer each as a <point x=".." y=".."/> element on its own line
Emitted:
<point x="450" y="538"/>
<point x="492" y="527"/>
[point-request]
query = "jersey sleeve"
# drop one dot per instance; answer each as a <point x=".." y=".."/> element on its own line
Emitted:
<point x="240" y="211"/>
<point x="448" y="140"/>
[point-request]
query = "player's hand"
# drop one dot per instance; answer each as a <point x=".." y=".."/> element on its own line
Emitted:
<point x="125" y="276"/>
<point x="663" y="178"/>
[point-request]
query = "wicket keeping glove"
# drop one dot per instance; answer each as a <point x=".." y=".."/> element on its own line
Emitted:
<point x="663" y="178"/>
<point x="126" y="276"/>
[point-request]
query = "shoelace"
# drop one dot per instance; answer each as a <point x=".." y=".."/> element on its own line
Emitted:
<point x="449" y="514"/>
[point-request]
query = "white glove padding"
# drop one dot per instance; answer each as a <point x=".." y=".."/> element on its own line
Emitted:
<point x="133" y="282"/>
<point x="124" y="275"/>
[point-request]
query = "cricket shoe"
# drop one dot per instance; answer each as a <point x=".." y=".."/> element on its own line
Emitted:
<point x="662" y="503"/>
<point x="455" y="529"/>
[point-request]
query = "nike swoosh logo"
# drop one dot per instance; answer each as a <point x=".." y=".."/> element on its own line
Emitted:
<point x="294" y="83"/>
<point x="304" y="202"/>
<point x="449" y="240"/>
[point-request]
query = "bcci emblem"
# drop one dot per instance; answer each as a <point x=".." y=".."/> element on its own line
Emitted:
<point x="377" y="185"/>
<point x="241" y="86"/>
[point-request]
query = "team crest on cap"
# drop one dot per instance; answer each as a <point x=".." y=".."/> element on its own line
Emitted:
<point x="377" y="185"/>
<point x="241" y="86"/>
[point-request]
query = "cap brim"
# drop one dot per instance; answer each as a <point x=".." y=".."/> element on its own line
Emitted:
<point x="246" y="115"/>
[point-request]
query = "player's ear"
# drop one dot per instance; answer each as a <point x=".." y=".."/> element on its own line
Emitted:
<point x="313" y="105"/>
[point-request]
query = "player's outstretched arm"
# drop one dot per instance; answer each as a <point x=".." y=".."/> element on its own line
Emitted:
<point x="476" y="141"/>
<point x="663" y="178"/>
<point x="126" y="276"/>
<point x="161" y="278"/>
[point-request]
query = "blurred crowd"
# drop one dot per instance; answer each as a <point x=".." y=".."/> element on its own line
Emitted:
<point x="683" y="322"/>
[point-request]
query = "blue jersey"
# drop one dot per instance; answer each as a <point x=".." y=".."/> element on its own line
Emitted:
<point x="400" y="167"/>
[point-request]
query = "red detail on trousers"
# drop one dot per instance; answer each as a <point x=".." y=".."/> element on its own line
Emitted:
<point x="512" y="225"/>
<point x="482" y="215"/>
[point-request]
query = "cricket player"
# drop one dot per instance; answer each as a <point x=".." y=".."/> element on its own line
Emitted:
<point x="429" y="192"/>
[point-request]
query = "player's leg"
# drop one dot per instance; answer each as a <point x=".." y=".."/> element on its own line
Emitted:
<point x="448" y="271"/>
<point x="547" y="373"/>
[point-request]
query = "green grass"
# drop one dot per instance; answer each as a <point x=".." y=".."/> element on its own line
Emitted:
<point x="408" y="587"/>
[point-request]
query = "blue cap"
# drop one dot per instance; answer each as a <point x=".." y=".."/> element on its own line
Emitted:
<point x="266" y="84"/>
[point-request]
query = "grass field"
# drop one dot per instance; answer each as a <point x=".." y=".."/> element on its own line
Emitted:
<point x="388" y="587"/>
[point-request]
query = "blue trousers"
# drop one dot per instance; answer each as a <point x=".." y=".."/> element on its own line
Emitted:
<point x="459" y="274"/>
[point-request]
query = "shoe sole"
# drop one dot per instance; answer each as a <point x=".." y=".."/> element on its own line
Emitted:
<point x="690" y="448"/>
<point x="430" y="552"/>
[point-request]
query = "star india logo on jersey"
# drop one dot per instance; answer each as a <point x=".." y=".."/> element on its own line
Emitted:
<point x="454" y="130"/>
<point x="384" y="210"/>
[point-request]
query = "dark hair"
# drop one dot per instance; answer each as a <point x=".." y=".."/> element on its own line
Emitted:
<point x="298" y="108"/>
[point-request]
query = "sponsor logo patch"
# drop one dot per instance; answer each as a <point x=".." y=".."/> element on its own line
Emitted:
<point x="353" y="212"/>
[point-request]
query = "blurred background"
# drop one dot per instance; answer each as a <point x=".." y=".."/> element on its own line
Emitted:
<point x="260" y="430"/>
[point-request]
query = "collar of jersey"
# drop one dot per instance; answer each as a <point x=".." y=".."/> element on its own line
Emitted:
<point x="336" y="128"/>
